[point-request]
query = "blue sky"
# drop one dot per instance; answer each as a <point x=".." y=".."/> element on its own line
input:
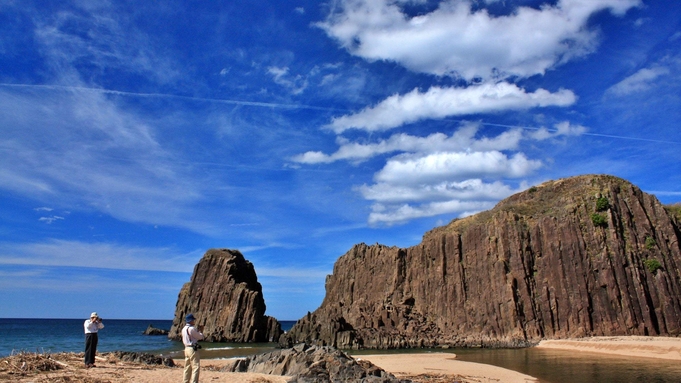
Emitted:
<point x="136" y="135"/>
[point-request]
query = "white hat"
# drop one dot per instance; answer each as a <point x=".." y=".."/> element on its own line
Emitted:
<point x="94" y="315"/>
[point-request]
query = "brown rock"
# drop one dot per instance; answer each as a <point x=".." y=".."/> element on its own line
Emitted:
<point x="225" y="297"/>
<point x="151" y="330"/>
<point x="313" y="364"/>
<point x="537" y="266"/>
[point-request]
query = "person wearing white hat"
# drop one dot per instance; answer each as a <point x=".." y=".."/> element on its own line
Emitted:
<point x="92" y="326"/>
<point x="192" y="358"/>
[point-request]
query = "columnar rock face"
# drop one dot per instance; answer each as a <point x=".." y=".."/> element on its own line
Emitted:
<point x="583" y="256"/>
<point x="225" y="297"/>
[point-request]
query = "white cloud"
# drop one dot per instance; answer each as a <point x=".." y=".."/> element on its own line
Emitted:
<point x="414" y="186"/>
<point x="436" y="167"/>
<point x="468" y="190"/>
<point x="49" y="220"/>
<point x="463" y="138"/>
<point x="454" y="40"/>
<point x="664" y="192"/>
<point x="99" y="255"/>
<point x="458" y="173"/>
<point x="78" y="148"/>
<point x="281" y="76"/>
<point x="561" y="129"/>
<point x="40" y="278"/>
<point x="110" y="42"/>
<point x="639" y="81"/>
<point x="441" y="174"/>
<point x="406" y="212"/>
<point x="440" y="102"/>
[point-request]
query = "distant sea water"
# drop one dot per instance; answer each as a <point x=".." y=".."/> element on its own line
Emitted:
<point x="67" y="335"/>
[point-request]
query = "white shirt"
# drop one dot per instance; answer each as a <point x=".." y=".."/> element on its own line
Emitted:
<point x="92" y="327"/>
<point x="190" y="335"/>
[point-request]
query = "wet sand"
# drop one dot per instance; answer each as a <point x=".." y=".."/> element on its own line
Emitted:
<point x="637" y="346"/>
<point x="444" y="364"/>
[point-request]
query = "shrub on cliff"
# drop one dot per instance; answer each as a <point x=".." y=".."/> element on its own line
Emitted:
<point x="599" y="220"/>
<point x="653" y="265"/>
<point x="650" y="243"/>
<point x="602" y="204"/>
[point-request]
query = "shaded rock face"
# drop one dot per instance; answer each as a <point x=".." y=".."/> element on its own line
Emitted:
<point x="225" y="297"/>
<point x="312" y="364"/>
<point x="540" y="265"/>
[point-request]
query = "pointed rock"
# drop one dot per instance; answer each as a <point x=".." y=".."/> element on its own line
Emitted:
<point x="225" y="297"/>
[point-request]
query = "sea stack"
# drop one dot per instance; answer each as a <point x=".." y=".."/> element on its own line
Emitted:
<point x="584" y="256"/>
<point x="225" y="297"/>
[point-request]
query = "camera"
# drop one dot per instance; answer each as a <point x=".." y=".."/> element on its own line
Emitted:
<point x="196" y="346"/>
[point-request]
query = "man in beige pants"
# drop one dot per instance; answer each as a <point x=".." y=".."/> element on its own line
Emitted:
<point x="192" y="359"/>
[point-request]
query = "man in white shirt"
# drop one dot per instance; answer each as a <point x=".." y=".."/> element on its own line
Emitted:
<point x="190" y="337"/>
<point x="92" y="326"/>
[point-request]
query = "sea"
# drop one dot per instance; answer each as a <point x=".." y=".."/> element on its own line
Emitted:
<point x="66" y="335"/>
<point x="549" y="366"/>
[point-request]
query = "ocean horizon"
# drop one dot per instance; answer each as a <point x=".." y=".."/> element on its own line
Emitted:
<point x="54" y="335"/>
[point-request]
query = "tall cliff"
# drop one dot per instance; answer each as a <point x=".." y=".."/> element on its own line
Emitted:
<point x="225" y="297"/>
<point x="583" y="256"/>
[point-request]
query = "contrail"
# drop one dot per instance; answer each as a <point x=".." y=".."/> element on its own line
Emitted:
<point x="289" y="106"/>
<point x="173" y="96"/>
<point x="581" y="134"/>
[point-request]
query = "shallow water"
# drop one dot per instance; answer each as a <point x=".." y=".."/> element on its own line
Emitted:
<point x="558" y="366"/>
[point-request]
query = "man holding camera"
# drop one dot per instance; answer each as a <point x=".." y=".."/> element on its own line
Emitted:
<point x="92" y="326"/>
<point x="190" y="337"/>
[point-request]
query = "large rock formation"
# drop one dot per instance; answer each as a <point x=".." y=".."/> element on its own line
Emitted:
<point x="583" y="256"/>
<point x="225" y="297"/>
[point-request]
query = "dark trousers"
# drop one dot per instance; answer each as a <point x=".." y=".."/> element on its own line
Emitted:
<point x="90" y="348"/>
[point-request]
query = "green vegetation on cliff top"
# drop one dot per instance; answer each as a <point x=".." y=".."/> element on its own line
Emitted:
<point x="586" y="194"/>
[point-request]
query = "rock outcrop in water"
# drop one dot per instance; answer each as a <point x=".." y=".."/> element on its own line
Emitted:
<point x="582" y="256"/>
<point x="151" y="330"/>
<point x="225" y="297"/>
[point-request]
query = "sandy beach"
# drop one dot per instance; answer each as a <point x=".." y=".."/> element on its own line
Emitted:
<point x="434" y="365"/>
<point x="420" y="367"/>
<point x="637" y="346"/>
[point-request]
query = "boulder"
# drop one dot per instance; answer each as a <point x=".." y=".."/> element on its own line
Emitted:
<point x="313" y="364"/>
<point x="142" y="357"/>
<point x="584" y="256"/>
<point x="225" y="297"/>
